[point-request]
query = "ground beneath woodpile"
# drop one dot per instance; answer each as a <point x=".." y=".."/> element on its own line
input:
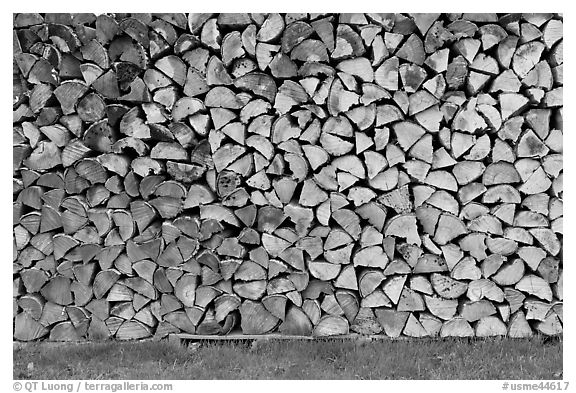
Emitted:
<point x="536" y="358"/>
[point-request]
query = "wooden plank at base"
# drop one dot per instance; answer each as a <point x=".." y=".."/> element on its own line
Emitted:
<point x="275" y="336"/>
<point x="234" y="337"/>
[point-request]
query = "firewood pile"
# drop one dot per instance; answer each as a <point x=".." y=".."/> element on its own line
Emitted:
<point x="300" y="174"/>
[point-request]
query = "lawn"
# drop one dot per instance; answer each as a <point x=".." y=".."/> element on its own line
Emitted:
<point x="326" y="359"/>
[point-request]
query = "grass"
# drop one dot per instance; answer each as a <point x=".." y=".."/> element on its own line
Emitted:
<point x="329" y="359"/>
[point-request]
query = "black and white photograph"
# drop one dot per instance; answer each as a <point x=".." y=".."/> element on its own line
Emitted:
<point x="309" y="196"/>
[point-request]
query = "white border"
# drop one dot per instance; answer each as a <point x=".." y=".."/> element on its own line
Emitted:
<point x="291" y="6"/>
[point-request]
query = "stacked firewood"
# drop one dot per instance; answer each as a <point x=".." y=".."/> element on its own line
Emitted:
<point x="306" y="174"/>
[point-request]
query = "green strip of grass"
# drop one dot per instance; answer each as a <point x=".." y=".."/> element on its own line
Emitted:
<point x="328" y="359"/>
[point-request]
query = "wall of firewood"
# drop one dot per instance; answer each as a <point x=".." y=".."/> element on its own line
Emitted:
<point x="306" y="174"/>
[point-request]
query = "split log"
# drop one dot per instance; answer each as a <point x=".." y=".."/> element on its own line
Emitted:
<point x="489" y="327"/>
<point x="255" y="319"/>
<point x="28" y="329"/>
<point x="393" y="322"/>
<point x="296" y="323"/>
<point x="331" y="325"/>
<point x="456" y="327"/>
<point x="132" y="330"/>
